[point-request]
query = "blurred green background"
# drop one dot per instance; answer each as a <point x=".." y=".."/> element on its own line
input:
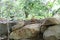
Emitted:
<point x="26" y="9"/>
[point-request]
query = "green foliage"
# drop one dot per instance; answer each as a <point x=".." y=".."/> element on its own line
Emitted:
<point x="59" y="1"/>
<point x="22" y="8"/>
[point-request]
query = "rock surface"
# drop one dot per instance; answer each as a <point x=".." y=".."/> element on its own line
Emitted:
<point x="52" y="33"/>
<point x="48" y="22"/>
<point x="3" y="27"/>
<point x="18" y="25"/>
<point x="51" y="21"/>
<point x="27" y="31"/>
<point x="48" y="28"/>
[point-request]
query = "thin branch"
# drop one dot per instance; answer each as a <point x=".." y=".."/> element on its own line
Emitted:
<point x="8" y="29"/>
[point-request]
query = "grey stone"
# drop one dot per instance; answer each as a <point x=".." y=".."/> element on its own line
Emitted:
<point x="27" y="31"/>
<point x="3" y="27"/>
<point x="52" y="33"/>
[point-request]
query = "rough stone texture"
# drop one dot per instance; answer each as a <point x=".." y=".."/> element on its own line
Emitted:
<point x="3" y="26"/>
<point x="32" y="29"/>
<point x="51" y="21"/>
<point x="48" y="22"/>
<point x="52" y="33"/>
<point x="27" y="31"/>
<point x="19" y="25"/>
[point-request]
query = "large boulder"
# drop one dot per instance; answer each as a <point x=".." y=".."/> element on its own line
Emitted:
<point x="27" y="31"/>
<point x="52" y="33"/>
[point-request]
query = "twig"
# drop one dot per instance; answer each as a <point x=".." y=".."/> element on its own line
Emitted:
<point x="8" y="28"/>
<point x="42" y="23"/>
